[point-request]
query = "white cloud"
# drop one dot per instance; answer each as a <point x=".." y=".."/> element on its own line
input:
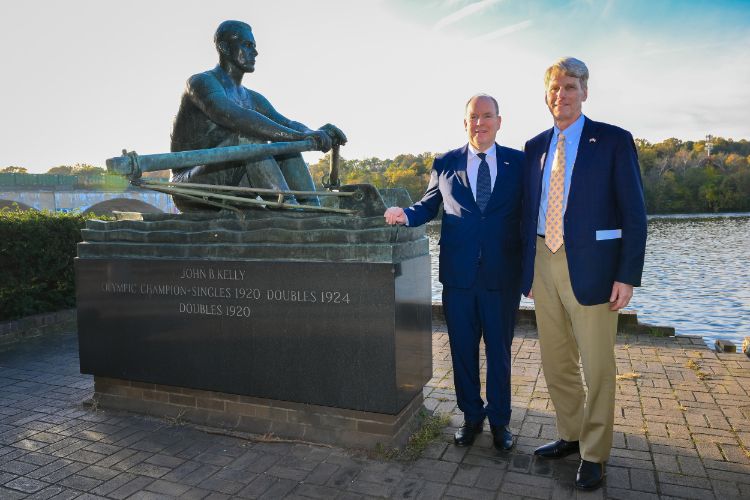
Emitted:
<point x="662" y="50"/>
<point x="464" y="12"/>
<point x="507" y="30"/>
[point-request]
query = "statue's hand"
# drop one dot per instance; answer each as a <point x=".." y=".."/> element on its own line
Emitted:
<point x="337" y="136"/>
<point x="321" y="138"/>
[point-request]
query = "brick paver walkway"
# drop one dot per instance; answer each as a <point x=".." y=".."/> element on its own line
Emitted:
<point x="681" y="432"/>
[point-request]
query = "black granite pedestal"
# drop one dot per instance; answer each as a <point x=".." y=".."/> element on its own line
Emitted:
<point x="322" y="321"/>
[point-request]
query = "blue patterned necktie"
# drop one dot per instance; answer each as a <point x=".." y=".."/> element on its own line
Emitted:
<point x="484" y="182"/>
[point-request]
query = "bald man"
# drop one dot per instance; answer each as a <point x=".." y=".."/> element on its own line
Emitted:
<point x="479" y="186"/>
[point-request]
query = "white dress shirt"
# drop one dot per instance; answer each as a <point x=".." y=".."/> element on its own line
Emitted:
<point x="472" y="169"/>
<point x="472" y="166"/>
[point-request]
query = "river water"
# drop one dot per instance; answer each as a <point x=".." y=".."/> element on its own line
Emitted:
<point x="696" y="277"/>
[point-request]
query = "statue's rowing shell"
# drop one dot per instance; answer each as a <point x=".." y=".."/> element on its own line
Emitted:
<point x="357" y="199"/>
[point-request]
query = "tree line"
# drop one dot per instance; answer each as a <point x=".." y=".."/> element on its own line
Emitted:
<point x="408" y="171"/>
<point x="79" y="169"/>
<point x="681" y="177"/>
<point x="678" y="176"/>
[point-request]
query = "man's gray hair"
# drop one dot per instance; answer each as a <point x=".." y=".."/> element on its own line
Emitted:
<point x="569" y="66"/>
<point x="494" y="101"/>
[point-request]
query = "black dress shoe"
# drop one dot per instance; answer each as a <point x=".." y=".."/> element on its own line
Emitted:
<point x="589" y="476"/>
<point x="467" y="432"/>
<point x="557" y="449"/>
<point x="502" y="438"/>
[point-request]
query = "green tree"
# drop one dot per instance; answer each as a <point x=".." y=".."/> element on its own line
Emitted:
<point x="77" y="169"/>
<point x="14" y="170"/>
<point x="61" y="170"/>
<point x="86" y="169"/>
<point x="678" y="176"/>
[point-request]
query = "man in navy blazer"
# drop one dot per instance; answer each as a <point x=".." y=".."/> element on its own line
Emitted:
<point x="479" y="186"/>
<point x="584" y="233"/>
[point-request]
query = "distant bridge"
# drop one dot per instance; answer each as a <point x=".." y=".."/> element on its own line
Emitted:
<point x="63" y="193"/>
<point x="98" y="202"/>
<point x="102" y="194"/>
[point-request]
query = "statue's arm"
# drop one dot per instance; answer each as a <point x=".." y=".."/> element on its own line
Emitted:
<point x="211" y="98"/>
<point x="265" y="107"/>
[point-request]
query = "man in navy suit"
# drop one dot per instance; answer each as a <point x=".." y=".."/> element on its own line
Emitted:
<point x="584" y="230"/>
<point x="479" y="186"/>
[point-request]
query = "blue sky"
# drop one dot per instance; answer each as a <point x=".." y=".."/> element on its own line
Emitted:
<point x="84" y="79"/>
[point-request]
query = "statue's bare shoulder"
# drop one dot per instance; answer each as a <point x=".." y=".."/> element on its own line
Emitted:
<point x="213" y="88"/>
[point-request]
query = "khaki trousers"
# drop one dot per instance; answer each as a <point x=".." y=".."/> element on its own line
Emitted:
<point x="568" y="330"/>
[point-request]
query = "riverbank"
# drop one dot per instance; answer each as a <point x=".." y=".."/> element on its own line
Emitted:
<point x="680" y="431"/>
<point x="693" y="279"/>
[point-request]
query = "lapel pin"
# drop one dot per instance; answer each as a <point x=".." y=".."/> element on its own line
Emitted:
<point x="506" y="163"/>
<point x="593" y="139"/>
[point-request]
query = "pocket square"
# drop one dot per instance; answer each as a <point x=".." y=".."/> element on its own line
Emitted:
<point x="593" y="139"/>
<point x="608" y="234"/>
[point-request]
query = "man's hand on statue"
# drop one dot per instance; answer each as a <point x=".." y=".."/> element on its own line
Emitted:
<point x="321" y="138"/>
<point x="337" y="136"/>
<point x="395" y="215"/>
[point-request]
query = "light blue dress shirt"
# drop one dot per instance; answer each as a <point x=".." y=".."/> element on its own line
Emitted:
<point x="572" y="138"/>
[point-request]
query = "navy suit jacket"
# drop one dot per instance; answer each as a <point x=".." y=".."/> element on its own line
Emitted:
<point x="475" y="244"/>
<point x="606" y="193"/>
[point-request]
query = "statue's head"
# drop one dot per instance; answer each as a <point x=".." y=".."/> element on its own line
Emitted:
<point x="235" y="43"/>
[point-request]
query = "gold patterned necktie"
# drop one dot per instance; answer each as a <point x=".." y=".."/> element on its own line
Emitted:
<point x="553" y="231"/>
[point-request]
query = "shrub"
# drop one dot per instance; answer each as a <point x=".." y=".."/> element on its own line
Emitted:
<point x="36" y="261"/>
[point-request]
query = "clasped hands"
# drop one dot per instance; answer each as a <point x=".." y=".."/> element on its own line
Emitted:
<point x="327" y="137"/>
